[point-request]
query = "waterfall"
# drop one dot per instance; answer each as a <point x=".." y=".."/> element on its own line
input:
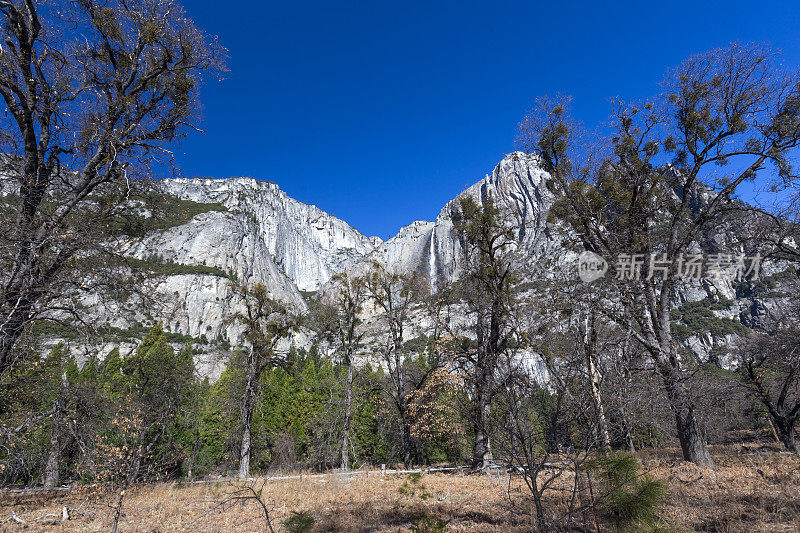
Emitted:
<point x="432" y="261"/>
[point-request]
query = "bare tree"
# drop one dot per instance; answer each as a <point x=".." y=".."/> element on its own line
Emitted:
<point x="244" y="493"/>
<point x="624" y="390"/>
<point x="487" y="290"/>
<point x="559" y="311"/>
<point x="778" y="227"/>
<point x="348" y="334"/>
<point x="266" y="322"/>
<point x="570" y="310"/>
<point x="94" y="93"/>
<point x="395" y="294"/>
<point x="731" y="105"/>
<point x="534" y="439"/>
<point x="770" y="367"/>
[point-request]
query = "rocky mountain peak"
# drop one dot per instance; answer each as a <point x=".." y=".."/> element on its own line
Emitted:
<point x="308" y="244"/>
<point x="518" y="186"/>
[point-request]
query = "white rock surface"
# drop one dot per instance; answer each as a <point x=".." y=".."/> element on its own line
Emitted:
<point x="518" y="186"/>
<point x="307" y="244"/>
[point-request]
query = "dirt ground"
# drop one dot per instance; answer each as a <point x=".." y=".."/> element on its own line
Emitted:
<point x="750" y="490"/>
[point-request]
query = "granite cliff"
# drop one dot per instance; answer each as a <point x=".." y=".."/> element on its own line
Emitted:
<point x="257" y="234"/>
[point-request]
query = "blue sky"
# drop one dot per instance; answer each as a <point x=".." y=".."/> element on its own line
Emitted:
<point x="380" y="112"/>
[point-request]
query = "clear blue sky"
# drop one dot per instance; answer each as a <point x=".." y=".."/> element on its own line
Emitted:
<point x="380" y="112"/>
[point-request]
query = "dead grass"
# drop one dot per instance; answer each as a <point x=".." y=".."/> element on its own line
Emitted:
<point x="754" y="492"/>
<point x="750" y="492"/>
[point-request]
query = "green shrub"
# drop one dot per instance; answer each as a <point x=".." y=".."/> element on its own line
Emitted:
<point x="308" y="296"/>
<point x="159" y="266"/>
<point x="429" y="524"/>
<point x="299" y="522"/>
<point x="629" y="499"/>
<point x="698" y="317"/>
<point x="413" y="486"/>
<point x="423" y="522"/>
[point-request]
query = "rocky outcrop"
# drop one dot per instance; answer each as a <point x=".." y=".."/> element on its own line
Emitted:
<point x="306" y="243"/>
<point x="517" y="185"/>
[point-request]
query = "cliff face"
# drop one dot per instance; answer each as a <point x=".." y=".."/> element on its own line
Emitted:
<point x="307" y="244"/>
<point x="518" y="186"/>
<point x="263" y="236"/>
<point x="251" y="233"/>
<point x="259" y="234"/>
<point x="267" y="237"/>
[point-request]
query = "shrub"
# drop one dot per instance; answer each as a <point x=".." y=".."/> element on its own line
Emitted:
<point x="413" y="486"/>
<point x="299" y="522"/>
<point x="693" y="318"/>
<point x="629" y="499"/>
<point x="429" y="524"/>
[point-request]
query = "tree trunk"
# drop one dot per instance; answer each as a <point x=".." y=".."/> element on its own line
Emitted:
<point x="481" y="452"/>
<point x="693" y="444"/>
<point x="13" y="325"/>
<point x="597" y="399"/>
<point x="244" y="456"/>
<point x="20" y="293"/>
<point x="626" y="415"/>
<point x="629" y="437"/>
<point x="117" y="511"/>
<point x="137" y="465"/>
<point x="133" y="473"/>
<point x="541" y="523"/>
<point x="774" y="431"/>
<point x="118" y="508"/>
<point x="348" y="408"/>
<point x="786" y="433"/>
<point x="407" y="449"/>
<point x="53" y="466"/>
<point x="247" y="423"/>
<point x="402" y="406"/>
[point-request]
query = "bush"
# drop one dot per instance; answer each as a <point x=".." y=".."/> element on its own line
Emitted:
<point x="629" y="499"/>
<point x="413" y="486"/>
<point x="694" y="318"/>
<point x="299" y="522"/>
<point x="162" y="267"/>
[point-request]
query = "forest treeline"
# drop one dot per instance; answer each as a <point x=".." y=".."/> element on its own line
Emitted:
<point x="88" y="421"/>
<point x="189" y="427"/>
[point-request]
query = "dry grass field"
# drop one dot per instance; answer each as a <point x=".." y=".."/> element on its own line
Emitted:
<point x="749" y="491"/>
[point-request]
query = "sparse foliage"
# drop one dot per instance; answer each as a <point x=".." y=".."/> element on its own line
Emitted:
<point x="95" y="92"/>
<point x="267" y="322"/>
<point x="664" y="179"/>
<point x="487" y="290"/>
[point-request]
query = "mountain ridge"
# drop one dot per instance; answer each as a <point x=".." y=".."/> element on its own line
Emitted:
<point x="262" y="235"/>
